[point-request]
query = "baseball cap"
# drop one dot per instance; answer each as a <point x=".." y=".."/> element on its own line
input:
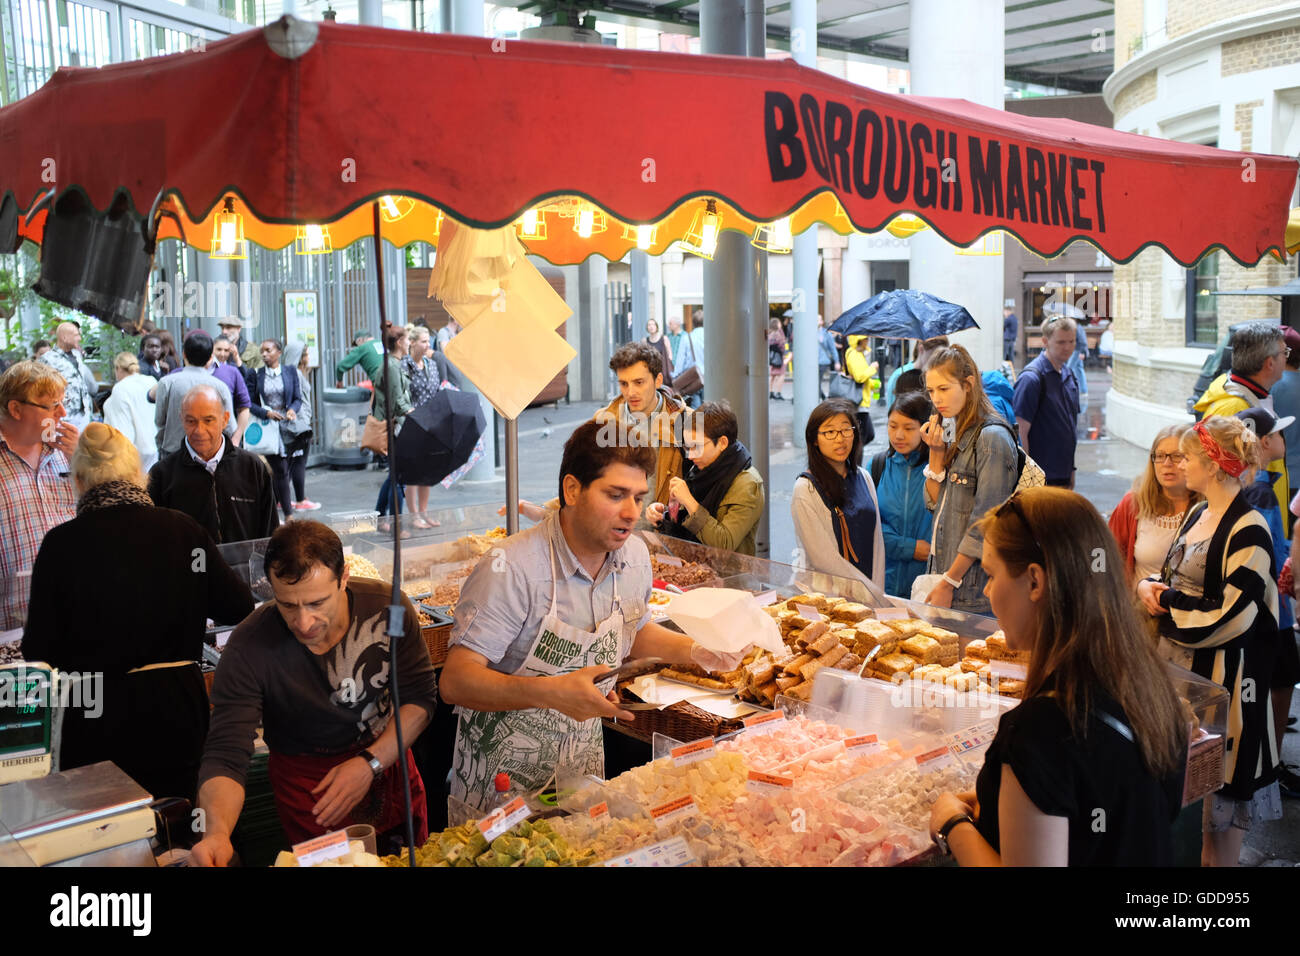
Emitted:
<point x="1263" y="421"/>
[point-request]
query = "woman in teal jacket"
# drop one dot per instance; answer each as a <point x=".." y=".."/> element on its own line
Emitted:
<point x="900" y="483"/>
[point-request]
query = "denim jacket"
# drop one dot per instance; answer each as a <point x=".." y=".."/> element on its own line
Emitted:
<point x="981" y="476"/>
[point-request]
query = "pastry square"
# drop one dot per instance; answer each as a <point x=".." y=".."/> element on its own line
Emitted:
<point x="977" y="648"/>
<point x="924" y="649"/>
<point x="907" y="627"/>
<point x="850" y="613"/>
<point x="895" y="663"/>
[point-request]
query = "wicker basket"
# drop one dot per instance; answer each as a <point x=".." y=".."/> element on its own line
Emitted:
<point x="681" y="721"/>
<point x="437" y="636"/>
<point x="1204" y="769"/>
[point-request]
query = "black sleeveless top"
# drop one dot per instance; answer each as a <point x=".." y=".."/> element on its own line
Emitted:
<point x="1119" y="814"/>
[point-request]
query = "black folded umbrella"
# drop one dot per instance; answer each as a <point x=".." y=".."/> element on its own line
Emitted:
<point x="438" y="437"/>
<point x="904" y="314"/>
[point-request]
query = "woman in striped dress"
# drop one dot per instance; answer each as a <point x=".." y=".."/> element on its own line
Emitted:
<point x="1217" y="602"/>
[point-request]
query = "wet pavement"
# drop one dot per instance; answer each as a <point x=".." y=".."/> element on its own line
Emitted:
<point x="1106" y="469"/>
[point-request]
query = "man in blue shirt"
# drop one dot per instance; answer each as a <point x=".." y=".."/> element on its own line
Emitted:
<point x="1046" y="403"/>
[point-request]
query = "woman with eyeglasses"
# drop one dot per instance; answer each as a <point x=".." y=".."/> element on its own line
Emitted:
<point x="1216" y="602"/>
<point x="1088" y="769"/>
<point x="1147" y="518"/>
<point x="836" y="516"/>
<point x="972" y="468"/>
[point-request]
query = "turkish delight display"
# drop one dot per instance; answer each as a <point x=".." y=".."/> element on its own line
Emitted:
<point x="712" y="781"/>
<point x="811" y="829"/>
<point x="906" y="790"/>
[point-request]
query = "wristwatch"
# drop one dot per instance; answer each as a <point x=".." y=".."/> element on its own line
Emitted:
<point x="376" y="767"/>
<point x="941" y="837"/>
<point x="954" y="583"/>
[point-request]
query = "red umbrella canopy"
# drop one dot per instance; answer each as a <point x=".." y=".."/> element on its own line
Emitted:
<point x="307" y="122"/>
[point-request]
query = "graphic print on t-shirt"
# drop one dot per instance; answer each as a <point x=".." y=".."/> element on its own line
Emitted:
<point x="357" y="671"/>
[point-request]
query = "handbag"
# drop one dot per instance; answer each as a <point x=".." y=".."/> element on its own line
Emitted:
<point x="374" y="435"/>
<point x="689" y="382"/>
<point x="843" y="386"/>
<point x="263" y="438"/>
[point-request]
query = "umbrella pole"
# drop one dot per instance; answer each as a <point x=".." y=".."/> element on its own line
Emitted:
<point x="512" y="475"/>
<point x="396" y="610"/>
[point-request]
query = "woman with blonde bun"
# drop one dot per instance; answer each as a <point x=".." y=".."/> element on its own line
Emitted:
<point x="145" y="706"/>
<point x="129" y="410"/>
<point x="1216" y="603"/>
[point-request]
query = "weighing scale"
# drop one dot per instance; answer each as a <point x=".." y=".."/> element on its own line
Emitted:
<point x="26" y="721"/>
<point x="90" y="816"/>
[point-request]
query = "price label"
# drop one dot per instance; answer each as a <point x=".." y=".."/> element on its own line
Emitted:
<point x="866" y="744"/>
<point x="810" y="613"/>
<point x="674" y="810"/>
<point x="599" y="813"/>
<point x="331" y="846"/>
<point x="669" y="559"/>
<point x="222" y="637"/>
<point x="892" y="614"/>
<point x="766" y="598"/>
<point x="768" y="783"/>
<point x="934" y="760"/>
<point x="347" y="550"/>
<point x="701" y="749"/>
<point x="503" y="819"/>
<point x="1008" y="670"/>
<point x="760" y="724"/>
<point x="972" y="738"/>
<point x="673" y="852"/>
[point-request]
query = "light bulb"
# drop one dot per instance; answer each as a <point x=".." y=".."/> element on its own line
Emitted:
<point x="585" y="220"/>
<point x="390" y="207"/>
<point x="228" y="238"/>
<point x="644" y="236"/>
<point x="530" y="221"/>
<point x="782" y="235"/>
<point x="315" y="237"/>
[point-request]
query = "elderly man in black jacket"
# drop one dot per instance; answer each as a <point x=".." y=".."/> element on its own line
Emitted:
<point x="220" y="486"/>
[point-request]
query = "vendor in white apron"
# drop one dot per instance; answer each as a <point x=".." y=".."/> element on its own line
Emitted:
<point x="546" y="612"/>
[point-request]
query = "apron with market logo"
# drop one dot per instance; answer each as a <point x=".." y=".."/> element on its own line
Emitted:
<point x="530" y="744"/>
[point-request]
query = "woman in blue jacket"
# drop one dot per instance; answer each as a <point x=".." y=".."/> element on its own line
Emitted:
<point x="900" y="486"/>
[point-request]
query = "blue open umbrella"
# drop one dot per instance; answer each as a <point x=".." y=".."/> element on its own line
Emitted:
<point x="904" y="314"/>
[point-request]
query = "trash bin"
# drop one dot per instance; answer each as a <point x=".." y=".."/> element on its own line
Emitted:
<point x="345" y="411"/>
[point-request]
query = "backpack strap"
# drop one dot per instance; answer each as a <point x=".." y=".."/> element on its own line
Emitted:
<point x="878" y="467"/>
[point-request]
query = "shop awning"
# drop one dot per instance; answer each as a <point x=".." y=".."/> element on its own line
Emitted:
<point x="309" y="123"/>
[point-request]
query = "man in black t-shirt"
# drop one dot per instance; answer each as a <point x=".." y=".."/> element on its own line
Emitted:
<point x="311" y="668"/>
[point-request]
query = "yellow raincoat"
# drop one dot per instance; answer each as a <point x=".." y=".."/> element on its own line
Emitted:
<point x="862" y="370"/>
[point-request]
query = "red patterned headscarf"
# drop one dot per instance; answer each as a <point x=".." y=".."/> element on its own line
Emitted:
<point x="1217" y="453"/>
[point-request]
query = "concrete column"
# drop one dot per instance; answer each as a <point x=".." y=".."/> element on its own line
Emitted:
<point x="593" y="332"/>
<point x="640" y="263"/>
<point x="756" y="46"/>
<point x="466" y="16"/>
<point x="958" y="50"/>
<point x="370" y="13"/>
<point x="803" y="44"/>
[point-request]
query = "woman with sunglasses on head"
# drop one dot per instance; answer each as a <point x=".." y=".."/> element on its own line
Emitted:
<point x="836" y="516"/>
<point x="1148" y="517"/>
<point x="1100" y="735"/>
<point x="972" y="469"/>
<point x="1216" y="602"/>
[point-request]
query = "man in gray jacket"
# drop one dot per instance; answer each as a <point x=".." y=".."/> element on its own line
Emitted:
<point x="171" y="392"/>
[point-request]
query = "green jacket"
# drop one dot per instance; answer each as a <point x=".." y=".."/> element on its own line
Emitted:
<point x="732" y="529"/>
<point x="401" y="392"/>
<point x="367" y="354"/>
